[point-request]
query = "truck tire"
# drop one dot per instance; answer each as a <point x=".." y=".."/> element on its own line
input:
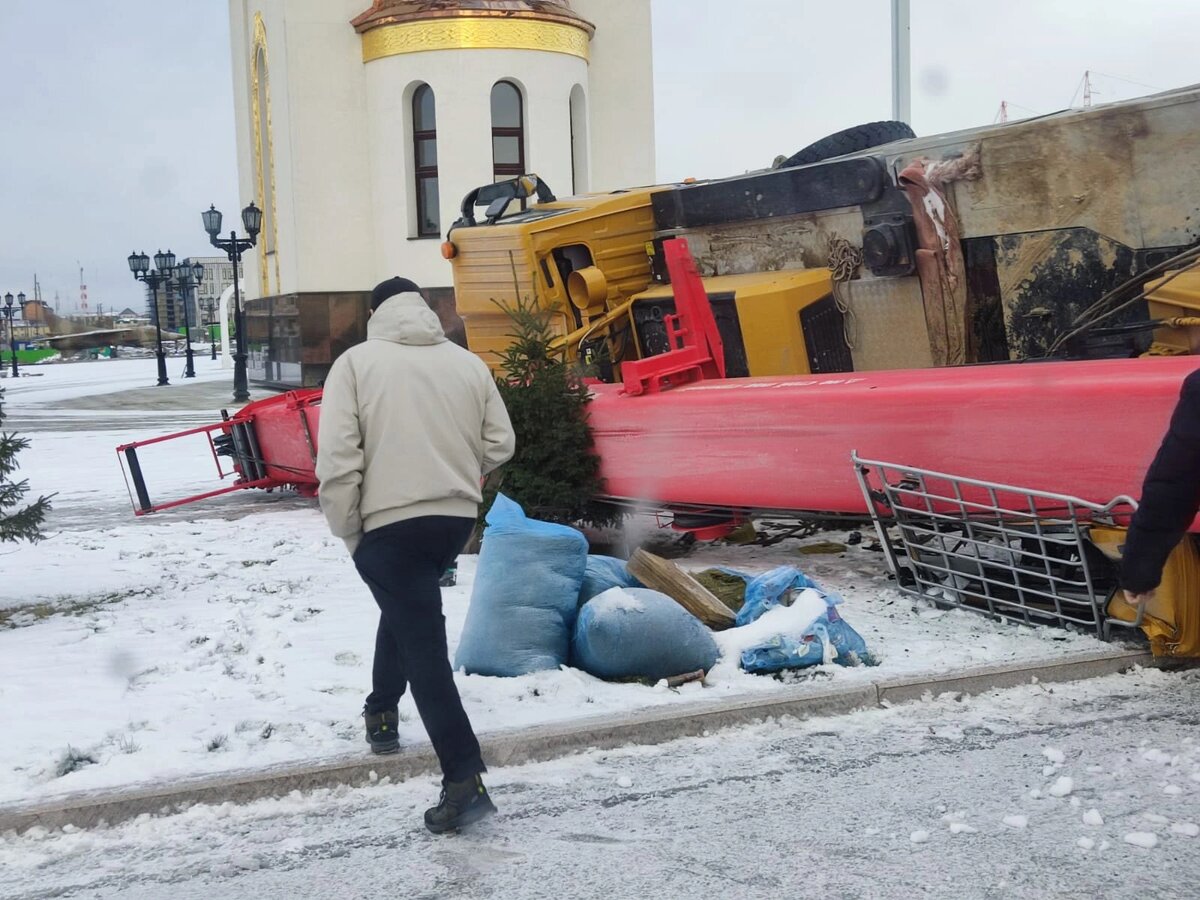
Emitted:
<point x="861" y="137"/>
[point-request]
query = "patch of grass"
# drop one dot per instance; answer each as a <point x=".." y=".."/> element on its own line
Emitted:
<point x="267" y="731"/>
<point x="128" y="745"/>
<point x="72" y="761"/>
<point x="729" y="589"/>
<point x="217" y="743"/>
<point x="31" y="613"/>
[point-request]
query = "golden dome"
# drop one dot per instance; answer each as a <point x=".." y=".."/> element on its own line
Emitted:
<point x="396" y="12"/>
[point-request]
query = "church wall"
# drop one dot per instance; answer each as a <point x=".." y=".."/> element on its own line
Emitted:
<point x="462" y="83"/>
<point x="322" y="197"/>
<point x="622" y="93"/>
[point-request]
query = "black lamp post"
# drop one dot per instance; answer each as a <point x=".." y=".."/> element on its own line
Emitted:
<point x="10" y="313"/>
<point x="234" y="247"/>
<point x="187" y="277"/>
<point x="209" y="307"/>
<point x="139" y="264"/>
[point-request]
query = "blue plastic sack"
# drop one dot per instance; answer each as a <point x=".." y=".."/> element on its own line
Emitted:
<point x="639" y="633"/>
<point x="603" y="573"/>
<point x="830" y="633"/>
<point x="524" y="601"/>
<point x="830" y="636"/>
<point x="765" y="591"/>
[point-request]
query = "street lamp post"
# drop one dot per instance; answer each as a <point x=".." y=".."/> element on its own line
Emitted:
<point x="234" y="247"/>
<point x="210" y="305"/>
<point x="139" y="264"/>
<point x="12" y="336"/>
<point x="187" y="277"/>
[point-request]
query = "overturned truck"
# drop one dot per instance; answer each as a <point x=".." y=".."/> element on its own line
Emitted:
<point x="979" y="246"/>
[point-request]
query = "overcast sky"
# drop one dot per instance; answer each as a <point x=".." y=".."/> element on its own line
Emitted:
<point x="116" y="122"/>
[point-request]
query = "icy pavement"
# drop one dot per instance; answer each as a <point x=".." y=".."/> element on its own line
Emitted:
<point x="235" y="634"/>
<point x="948" y="798"/>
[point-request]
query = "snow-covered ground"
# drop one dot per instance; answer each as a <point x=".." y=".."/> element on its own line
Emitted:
<point x="1088" y="790"/>
<point x="236" y="634"/>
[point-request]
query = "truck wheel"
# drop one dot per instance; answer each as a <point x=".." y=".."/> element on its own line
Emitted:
<point x="861" y="137"/>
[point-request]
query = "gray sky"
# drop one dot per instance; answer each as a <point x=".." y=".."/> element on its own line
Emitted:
<point x="116" y="122"/>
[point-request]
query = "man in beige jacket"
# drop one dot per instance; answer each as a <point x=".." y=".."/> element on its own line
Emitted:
<point x="410" y="423"/>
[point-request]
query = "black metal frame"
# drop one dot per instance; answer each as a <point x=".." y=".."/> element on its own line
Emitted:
<point x="10" y="313"/>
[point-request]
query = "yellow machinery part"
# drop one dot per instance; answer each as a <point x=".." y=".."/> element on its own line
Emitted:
<point x="1175" y="298"/>
<point x="1172" y="619"/>
<point x="768" y="306"/>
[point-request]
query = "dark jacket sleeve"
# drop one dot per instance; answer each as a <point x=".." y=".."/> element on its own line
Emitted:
<point x="1170" y="496"/>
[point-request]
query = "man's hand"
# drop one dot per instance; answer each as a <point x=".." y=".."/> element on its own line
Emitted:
<point x="1139" y="600"/>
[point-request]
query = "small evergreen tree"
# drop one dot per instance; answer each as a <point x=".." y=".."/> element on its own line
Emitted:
<point x="16" y="524"/>
<point x="555" y="474"/>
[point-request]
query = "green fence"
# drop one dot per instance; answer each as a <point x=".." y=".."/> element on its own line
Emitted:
<point x="26" y="357"/>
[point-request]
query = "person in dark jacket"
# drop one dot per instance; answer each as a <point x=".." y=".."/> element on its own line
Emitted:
<point x="1170" y="499"/>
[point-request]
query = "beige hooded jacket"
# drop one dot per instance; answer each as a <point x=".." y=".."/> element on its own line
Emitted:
<point x="410" y="423"/>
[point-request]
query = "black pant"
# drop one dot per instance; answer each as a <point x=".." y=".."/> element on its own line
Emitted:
<point x="401" y="564"/>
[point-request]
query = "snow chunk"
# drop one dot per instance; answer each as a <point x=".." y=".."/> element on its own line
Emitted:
<point x="1093" y="817"/>
<point x="1173" y="790"/>
<point x="1157" y="756"/>
<point x="962" y="828"/>
<point x="1036" y="793"/>
<point x="1047" y="771"/>
<point x="1062" y="787"/>
<point x="1055" y="755"/>
<point x="792" y="620"/>
<point x="618" y="599"/>
<point x="1145" y="839"/>
<point x="919" y="837"/>
<point x="1085" y="843"/>
<point x="1016" y="821"/>
<point x="1155" y="818"/>
<point x="1187" y="829"/>
<point x="625" y="782"/>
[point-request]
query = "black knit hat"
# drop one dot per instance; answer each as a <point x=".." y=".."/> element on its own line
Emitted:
<point x="390" y="288"/>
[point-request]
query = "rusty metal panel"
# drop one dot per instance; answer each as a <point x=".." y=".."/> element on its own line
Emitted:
<point x="797" y="242"/>
<point x="1048" y="278"/>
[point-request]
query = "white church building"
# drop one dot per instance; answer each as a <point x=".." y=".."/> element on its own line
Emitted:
<point x="359" y="132"/>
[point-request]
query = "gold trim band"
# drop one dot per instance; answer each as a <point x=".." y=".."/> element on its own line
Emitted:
<point x="474" y="34"/>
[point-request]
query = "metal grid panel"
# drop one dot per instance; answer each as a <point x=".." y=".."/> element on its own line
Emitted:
<point x="1006" y="551"/>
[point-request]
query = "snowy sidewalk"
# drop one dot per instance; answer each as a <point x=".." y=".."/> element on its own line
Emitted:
<point x="1073" y="791"/>
<point x="236" y="635"/>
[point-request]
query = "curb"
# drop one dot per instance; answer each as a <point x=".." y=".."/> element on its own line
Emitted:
<point x="547" y="742"/>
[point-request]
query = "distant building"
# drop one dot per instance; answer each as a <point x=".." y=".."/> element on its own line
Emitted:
<point x="218" y="275"/>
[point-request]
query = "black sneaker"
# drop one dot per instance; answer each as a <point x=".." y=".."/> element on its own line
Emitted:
<point x="381" y="731"/>
<point x="462" y="803"/>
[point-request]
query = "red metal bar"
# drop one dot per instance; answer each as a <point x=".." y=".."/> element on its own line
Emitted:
<point x="697" y="349"/>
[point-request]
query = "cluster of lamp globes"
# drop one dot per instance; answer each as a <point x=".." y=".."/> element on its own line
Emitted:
<point x="191" y="276"/>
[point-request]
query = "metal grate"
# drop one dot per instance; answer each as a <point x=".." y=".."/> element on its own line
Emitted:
<point x="1006" y="551"/>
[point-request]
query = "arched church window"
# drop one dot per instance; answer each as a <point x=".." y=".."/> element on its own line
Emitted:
<point x="425" y="155"/>
<point x="508" y="131"/>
